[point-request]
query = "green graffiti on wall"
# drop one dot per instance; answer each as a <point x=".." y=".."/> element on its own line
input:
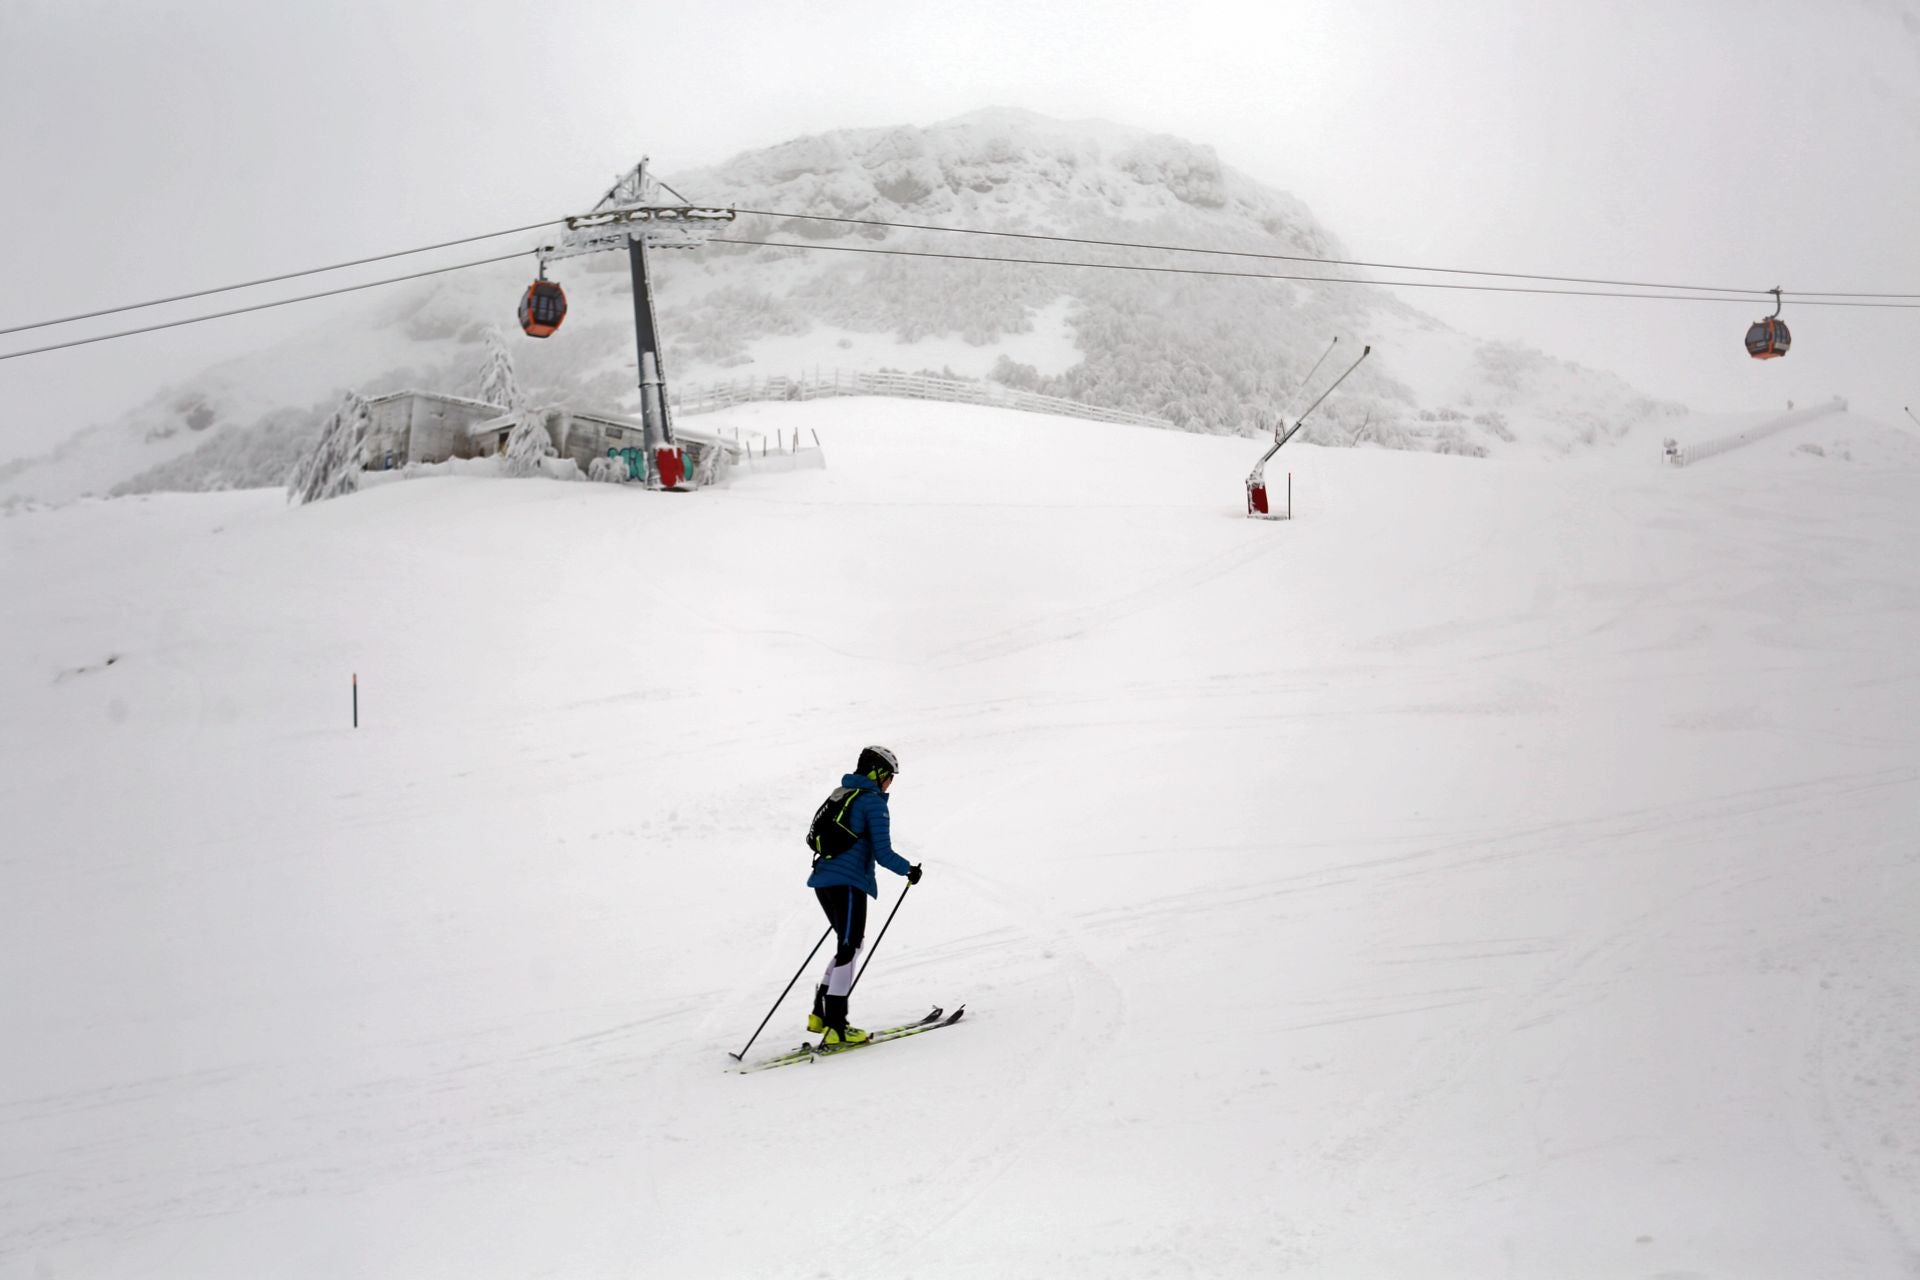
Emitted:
<point x="636" y="461"/>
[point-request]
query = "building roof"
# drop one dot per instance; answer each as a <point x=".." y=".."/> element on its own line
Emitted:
<point x="467" y="401"/>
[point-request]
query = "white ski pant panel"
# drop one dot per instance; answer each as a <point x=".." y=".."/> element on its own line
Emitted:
<point x="839" y="977"/>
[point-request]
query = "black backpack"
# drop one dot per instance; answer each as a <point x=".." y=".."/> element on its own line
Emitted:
<point x="831" y="833"/>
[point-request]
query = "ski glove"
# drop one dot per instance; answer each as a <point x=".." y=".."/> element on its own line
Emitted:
<point x="913" y="875"/>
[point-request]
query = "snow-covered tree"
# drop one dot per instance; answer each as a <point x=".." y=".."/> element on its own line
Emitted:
<point x="499" y="384"/>
<point x="527" y="444"/>
<point x="333" y="466"/>
<point x="607" y="470"/>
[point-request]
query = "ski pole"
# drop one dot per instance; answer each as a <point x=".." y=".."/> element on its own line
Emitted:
<point x="883" y="933"/>
<point x="740" y="1056"/>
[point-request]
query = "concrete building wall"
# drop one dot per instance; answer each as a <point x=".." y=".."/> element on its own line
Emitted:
<point x="388" y="432"/>
<point x="442" y="428"/>
<point x="590" y="435"/>
<point x="491" y="435"/>
<point x="586" y="436"/>
<point x="418" y="426"/>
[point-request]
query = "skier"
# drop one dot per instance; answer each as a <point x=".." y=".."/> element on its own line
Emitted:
<point x="845" y="881"/>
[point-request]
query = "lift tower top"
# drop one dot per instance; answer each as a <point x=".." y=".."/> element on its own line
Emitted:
<point x="635" y="215"/>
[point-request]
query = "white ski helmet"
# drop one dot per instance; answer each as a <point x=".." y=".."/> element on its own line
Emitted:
<point x="878" y="762"/>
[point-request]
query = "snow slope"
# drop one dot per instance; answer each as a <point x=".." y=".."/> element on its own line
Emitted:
<point x="1507" y="867"/>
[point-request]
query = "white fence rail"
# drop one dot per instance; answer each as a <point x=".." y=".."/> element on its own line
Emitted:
<point x="1680" y="455"/>
<point x="720" y="395"/>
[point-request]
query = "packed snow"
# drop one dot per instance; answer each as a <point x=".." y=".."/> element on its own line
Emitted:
<point x="1506" y="867"/>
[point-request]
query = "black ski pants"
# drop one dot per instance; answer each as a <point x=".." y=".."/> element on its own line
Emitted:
<point x="846" y="909"/>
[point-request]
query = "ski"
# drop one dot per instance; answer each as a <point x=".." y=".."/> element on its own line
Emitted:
<point x="930" y="1023"/>
<point x="803" y="1054"/>
<point x="808" y="1052"/>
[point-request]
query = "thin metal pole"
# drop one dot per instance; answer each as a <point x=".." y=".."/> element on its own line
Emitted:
<point x="1301" y="421"/>
<point x="783" y="995"/>
<point x="1364" y="353"/>
<point x="1309" y="378"/>
<point x="883" y="933"/>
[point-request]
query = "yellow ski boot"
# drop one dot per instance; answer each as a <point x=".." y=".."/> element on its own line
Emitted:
<point x="840" y="1037"/>
<point x="833" y="1014"/>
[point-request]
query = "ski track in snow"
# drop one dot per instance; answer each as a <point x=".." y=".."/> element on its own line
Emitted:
<point x="1068" y="625"/>
<point x="1052" y="1070"/>
<point x="1879" y="1169"/>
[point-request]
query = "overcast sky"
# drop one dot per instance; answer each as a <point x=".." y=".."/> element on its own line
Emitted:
<point x="154" y="147"/>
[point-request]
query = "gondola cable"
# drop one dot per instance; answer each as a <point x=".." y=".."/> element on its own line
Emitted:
<point x="259" y="306"/>
<point x="1301" y="279"/>
<point x="288" y="275"/>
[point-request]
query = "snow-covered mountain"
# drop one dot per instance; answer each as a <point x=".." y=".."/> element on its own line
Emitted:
<point x="1210" y="354"/>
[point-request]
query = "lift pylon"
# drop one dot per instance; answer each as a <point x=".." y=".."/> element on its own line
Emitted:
<point x="634" y="215"/>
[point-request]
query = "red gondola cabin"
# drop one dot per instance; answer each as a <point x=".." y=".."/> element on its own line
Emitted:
<point x="1768" y="339"/>
<point x="543" y="308"/>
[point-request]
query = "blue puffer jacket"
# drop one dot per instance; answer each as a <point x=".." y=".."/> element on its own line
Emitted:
<point x="868" y="818"/>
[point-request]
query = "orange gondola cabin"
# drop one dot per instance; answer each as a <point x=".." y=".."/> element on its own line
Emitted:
<point x="1768" y="339"/>
<point x="542" y="308"/>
